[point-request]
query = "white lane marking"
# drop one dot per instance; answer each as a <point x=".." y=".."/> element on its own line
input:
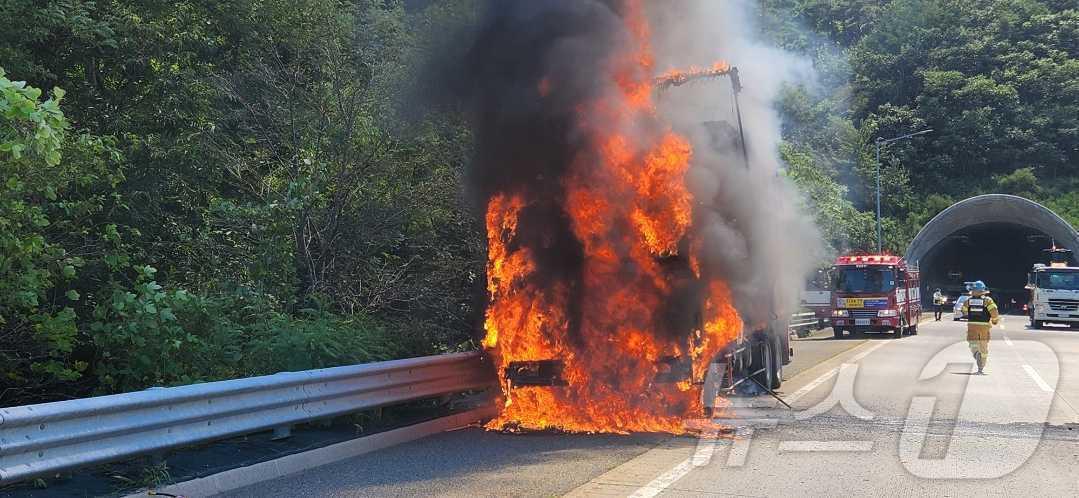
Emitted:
<point x="1037" y="378"/>
<point x="1008" y="341"/>
<point x="736" y="458"/>
<point x="806" y="389"/>
<point x="706" y="446"/>
<point x="740" y="447"/>
<point x="853" y="446"/>
<point x="664" y="481"/>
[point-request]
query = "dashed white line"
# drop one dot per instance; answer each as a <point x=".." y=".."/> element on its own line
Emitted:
<point x="1037" y="378"/>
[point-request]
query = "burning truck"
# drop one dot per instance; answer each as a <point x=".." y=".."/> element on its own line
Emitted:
<point x="604" y="311"/>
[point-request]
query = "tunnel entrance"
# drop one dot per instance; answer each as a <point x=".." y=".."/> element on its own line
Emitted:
<point x="1000" y="254"/>
<point x="995" y="238"/>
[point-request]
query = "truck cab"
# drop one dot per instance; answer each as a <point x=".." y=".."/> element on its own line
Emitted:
<point x="875" y="293"/>
<point x="817" y="296"/>
<point x="1054" y="291"/>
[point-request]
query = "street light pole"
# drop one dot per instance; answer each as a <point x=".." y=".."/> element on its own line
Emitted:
<point x="879" y="233"/>
<point x="880" y="142"/>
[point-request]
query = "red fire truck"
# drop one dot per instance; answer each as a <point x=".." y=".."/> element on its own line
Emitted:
<point x="875" y="293"/>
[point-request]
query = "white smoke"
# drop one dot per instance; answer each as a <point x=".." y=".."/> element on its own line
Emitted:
<point x="758" y="236"/>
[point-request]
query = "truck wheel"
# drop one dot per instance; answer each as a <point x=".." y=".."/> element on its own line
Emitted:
<point x="837" y="332"/>
<point x="913" y="330"/>
<point x="777" y="367"/>
<point x="764" y="361"/>
<point x="1038" y="324"/>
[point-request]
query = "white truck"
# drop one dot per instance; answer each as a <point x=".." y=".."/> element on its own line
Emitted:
<point x="817" y="296"/>
<point x="1054" y="291"/>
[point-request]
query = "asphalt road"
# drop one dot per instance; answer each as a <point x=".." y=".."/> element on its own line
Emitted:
<point x="879" y="416"/>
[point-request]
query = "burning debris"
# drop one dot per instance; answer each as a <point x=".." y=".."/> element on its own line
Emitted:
<point x="676" y="77"/>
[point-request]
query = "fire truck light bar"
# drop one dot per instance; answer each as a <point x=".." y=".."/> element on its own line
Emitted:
<point x="880" y="259"/>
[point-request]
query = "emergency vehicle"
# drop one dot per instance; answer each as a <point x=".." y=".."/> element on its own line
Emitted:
<point x="875" y="293"/>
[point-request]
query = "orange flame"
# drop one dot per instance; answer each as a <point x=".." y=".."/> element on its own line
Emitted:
<point x="678" y="77"/>
<point x="628" y="206"/>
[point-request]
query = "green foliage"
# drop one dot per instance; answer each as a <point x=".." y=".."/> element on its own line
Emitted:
<point x="843" y="227"/>
<point x="253" y="154"/>
<point x="48" y="205"/>
<point x="994" y="79"/>
<point x="147" y="335"/>
<point x="1021" y="182"/>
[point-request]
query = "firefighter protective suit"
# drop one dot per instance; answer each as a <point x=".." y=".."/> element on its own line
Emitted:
<point x="982" y="314"/>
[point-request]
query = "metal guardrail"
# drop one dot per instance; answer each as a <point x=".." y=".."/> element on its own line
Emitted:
<point x="799" y="320"/>
<point x="802" y="323"/>
<point x="45" y="438"/>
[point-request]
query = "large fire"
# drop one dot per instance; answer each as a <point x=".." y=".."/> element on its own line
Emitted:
<point x="625" y="202"/>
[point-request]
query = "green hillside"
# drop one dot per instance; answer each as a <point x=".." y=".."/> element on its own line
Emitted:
<point x="198" y="190"/>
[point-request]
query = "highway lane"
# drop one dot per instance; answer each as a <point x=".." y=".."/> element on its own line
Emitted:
<point x="899" y="405"/>
<point x="917" y="423"/>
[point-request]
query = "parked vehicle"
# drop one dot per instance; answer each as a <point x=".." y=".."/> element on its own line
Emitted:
<point x="1054" y="291"/>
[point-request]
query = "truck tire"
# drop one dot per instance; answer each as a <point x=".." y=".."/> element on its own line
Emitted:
<point x="837" y="332"/>
<point x="913" y="330"/>
<point x="1037" y="324"/>
<point x="764" y="360"/>
<point x="777" y="362"/>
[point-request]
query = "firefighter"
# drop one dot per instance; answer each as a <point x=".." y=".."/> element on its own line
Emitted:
<point x="939" y="301"/>
<point x="981" y="314"/>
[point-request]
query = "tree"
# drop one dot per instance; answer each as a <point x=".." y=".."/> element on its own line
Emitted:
<point x="53" y="205"/>
<point x="1021" y="182"/>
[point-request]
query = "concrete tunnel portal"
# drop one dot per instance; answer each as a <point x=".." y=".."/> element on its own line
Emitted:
<point x="995" y="238"/>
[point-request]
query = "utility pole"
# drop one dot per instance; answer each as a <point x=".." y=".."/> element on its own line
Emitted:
<point x="881" y="142"/>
